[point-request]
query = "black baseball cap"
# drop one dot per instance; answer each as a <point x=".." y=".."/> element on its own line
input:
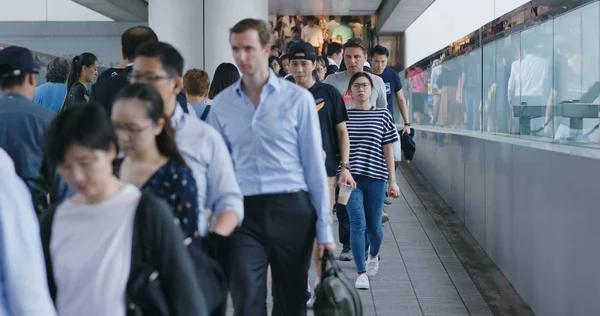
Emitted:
<point x="302" y="47"/>
<point x="16" y="61"/>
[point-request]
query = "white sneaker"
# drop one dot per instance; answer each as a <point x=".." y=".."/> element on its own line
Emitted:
<point x="362" y="282"/>
<point x="372" y="265"/>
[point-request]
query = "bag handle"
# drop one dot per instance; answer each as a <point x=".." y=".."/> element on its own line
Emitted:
<point x="328" y="256"/>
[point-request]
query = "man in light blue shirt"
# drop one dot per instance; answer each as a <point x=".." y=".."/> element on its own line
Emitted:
<point x="23" y="282"/>
<point x="272" y="129"/>
<point x="52" y="93"/>
<point x="204" y="151"/>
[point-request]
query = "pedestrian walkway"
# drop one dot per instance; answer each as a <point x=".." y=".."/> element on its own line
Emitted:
<point x="420" y="272"/>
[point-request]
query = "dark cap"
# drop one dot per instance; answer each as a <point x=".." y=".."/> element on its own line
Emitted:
<point x="302" y="47"/>
<point x="16" y="61"/>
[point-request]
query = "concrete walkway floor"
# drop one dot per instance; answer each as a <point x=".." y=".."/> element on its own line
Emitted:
<point x="431" y="265"/>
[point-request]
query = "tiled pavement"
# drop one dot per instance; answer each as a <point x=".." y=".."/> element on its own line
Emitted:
<point x="419" y="274"/>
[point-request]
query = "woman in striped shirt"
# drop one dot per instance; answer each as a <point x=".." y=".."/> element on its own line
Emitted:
<point x="372" y="133"/>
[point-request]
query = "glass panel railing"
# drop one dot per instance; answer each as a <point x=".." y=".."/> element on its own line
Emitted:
<point x="539" y="83"/>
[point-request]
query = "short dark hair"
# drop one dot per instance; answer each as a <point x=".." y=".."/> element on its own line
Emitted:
<point x="380" y="50"/>
<point x="284" y="57"/>
<point x="358" y="75"/>
<point x="134" y="37"/>
<point x="169" y="57"/>
<point x="296" y="29"/>
<point x="87" y="125"/>
<point x="355" y="43"/>
<point x="225" y="75"/>
<point x="311" y="18"/>
<point x="252" y="24"/>
<point x="331" y="17"/>
<point x="57" y="70"/>
<point x="334" y="48"/>
<point x="9" y="82"/>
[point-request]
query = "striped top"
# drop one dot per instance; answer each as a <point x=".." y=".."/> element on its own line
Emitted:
<point x="369" y="130"/>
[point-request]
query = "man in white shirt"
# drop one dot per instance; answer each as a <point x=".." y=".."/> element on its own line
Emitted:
<point x="331" y="25"/>
<point x="528" y="78"/>
<point x="313" y="34"/>
<point x="23" y="280"/>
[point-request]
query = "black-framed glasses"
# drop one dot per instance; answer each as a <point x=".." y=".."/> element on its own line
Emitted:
<point x="358" y="86"/>
<point x="137" y="78"/>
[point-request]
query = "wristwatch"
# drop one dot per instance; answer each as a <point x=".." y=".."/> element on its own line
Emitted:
<point x="406" y="124"/>
<point x="346" y="165"/>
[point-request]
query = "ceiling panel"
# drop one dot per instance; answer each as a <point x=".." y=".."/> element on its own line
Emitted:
<point x="405" y="13"/>
<point x="323" y="7"/>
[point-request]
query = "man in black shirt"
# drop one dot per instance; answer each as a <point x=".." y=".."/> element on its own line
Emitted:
<point x="110" y="82"/>
<point x="332" y="117"/>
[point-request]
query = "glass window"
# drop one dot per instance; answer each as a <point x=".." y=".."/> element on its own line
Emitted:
<point x="573" y="110"/>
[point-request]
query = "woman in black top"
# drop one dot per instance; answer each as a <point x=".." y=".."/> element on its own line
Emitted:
<point x="84" y="69"/>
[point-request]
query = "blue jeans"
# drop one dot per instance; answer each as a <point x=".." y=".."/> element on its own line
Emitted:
<point x="364" y="211"/>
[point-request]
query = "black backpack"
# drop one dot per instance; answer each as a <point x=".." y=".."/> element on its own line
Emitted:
<point x="335" y="294"/>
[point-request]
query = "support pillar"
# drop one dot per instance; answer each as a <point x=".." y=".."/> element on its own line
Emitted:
<point x="199" y="29"/>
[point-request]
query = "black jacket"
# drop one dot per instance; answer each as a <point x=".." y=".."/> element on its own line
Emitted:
<point x="157" y="246"/>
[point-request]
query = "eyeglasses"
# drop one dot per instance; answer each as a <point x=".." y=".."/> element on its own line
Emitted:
<point x="145" y="78"/>
<point x="130" y="129"/>
<point x="358" y="86"/>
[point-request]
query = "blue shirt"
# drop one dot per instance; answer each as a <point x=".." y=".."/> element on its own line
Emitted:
<point x="392" y="85"/>
<point x="206" y="155"/>
<point x="22" y="128"/>
<point x="23" y="282"/>
<point x="199" y="108"/>
<point x="276" y="146"/>
<point x="51" y="95"/>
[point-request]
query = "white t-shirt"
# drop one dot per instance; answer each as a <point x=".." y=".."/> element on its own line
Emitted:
<point x="91" y="254"/>
<point x="340" y="81"/>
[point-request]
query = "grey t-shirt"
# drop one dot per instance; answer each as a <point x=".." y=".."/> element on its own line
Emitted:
<point x="340" y="81"/>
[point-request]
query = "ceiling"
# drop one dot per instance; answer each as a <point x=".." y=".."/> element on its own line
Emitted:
<point x="403" y="15"/>
<point x="323" y="7"/>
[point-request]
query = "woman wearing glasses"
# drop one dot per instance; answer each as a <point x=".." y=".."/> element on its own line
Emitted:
<point x="152" y="160"/>
<point x="371" y="133"/>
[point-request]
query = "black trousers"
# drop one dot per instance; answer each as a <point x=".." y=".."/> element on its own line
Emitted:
<point x="279" y="230"/>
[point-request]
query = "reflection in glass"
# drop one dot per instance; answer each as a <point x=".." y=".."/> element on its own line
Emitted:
<point x="572" y="110"/>
<point x="530" y="76"/>
<point x="541" y="82"/>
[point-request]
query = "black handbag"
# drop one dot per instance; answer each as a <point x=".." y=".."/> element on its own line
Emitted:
<point x="336" y="294"/>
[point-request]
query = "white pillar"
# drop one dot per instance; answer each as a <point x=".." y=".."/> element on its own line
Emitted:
<point x="222" y="15"/>
<point x="199" y="29"/>
<point x="179" y="23"/>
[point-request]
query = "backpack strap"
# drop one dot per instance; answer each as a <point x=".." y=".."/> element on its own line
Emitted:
<point x="205" y="113"/>
<point x="46" y="221"/>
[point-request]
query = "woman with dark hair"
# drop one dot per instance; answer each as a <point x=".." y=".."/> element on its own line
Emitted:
<point x="153" y="162"/>
<point x="225" y="75"/>
<point x="111" y="249"/>
<point x="84" y="69"/>
<point x="275" y="65"/>
<point x="321" y="68"/>
<point x="372" y="132"/>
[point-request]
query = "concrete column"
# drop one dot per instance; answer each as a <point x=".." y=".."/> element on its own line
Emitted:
<point x="199" y="29"/>
<point x="179" y="23"/>
<point x="221" y="15"/>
